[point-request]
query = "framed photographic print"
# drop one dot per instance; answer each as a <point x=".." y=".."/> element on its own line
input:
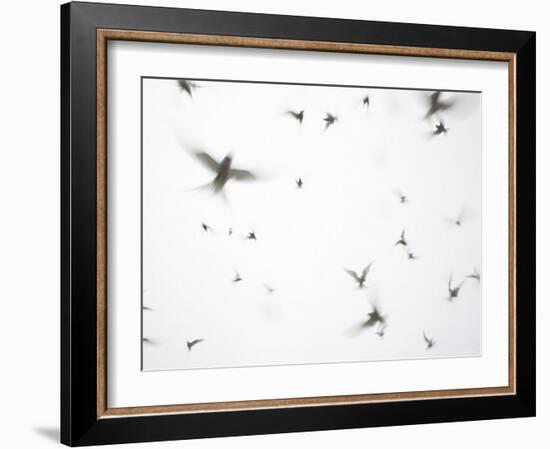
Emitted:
<point x="279" y="224"/>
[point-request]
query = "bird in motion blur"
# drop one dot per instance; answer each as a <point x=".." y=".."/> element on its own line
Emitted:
<point x="429" y="341"/>
<point x="475" y="275"/>
<point x="205" y="227"/>
<point x="329" y="120"/>
<point x="402" y="240"/>
<point x="436" y="104"/>
<point x="237" y="277"/>
<point x="458" y="220"/>
<point x="223" y="170"/>
<point x="251" y="236"/>
<point x="411" y="256"/>
<point x="297" y="115"/>
<point x="366" y="101"/>
<point x="382" y="331"/>
<point x="192" y="343"/>
<point x="360" y="278"/>
<point x="269" y="290"/>
<point x="187" y="86"/>
<point x="299" y="183"/>
<point x="374" y="317"/>
<point x="453" y="291"/>
<point x="402" y="197"/>
<point x="440" y="129"/>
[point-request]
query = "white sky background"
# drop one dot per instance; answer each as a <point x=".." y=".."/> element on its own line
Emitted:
<point x="346" y="216"/>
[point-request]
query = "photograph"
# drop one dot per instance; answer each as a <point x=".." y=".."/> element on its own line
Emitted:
<point x="293" y="224"/>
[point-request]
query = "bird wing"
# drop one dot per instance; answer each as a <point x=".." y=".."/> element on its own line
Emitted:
<point x="435" y="97"/>
<point x="207" y="160"/>
<point x="353" y="274"/>
<point x="241" y="175"/>
<point x="426" y="339"/>
<point x="371" y="321"/>
<point x="366" y="270"/>
<point x="403" y="235"/>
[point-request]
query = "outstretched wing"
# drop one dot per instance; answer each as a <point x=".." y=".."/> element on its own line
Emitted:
<point x="207" y="160"/>
<point x="426" y="339"/>
<point x="241" y="175"/>
<point x="353" y="274"/>
<point x="366" y="270"/>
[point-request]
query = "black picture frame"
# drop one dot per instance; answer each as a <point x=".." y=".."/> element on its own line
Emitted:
<point x="80" y="423"/>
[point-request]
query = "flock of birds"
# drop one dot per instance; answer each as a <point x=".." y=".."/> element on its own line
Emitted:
<point x="224" y="172"/>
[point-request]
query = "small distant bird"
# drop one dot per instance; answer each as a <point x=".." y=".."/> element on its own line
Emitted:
<point x="147" y="341"/>
<point x="269" y="290"/>
<point x="146" y="308"/>
<point x="411" y="256"/>
<point x="205" y="227"/>
<point x="329" y="120"/>
<point x="366" y="101"/>
<point x="297" y="115"/>
<point x="373" y="317"/>
<point x="230" y="232"/>
<point x="453" y="291"/>
<point x="381" y="332"/>
<point x="187" y="86"/>
<point x="402" y="197"/>
<point x="192" y="343"/>
<point x="237" y="277"/>
<point x="299" y="183"/>
<point x="360" y="279"/>
<point x="402" y="240"/>
<point x="475" y="275"/>
<point x="440" y="129"/>
<point x="251" y="236"/>
<point x="223" y="171"/>
<point x="458" y="220"/>
<point x="436" y="105"/>
<point x="429" y="341"/>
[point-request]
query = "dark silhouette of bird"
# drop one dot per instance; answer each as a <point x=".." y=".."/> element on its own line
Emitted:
<point x="251" y="236"/>
<point x="299" y="183"/>
<point x="329" y="120"/>
<point x="147" y="341"/>
<point x="146" y="308"/>
<point x="382" y="331"/>
<point x="453" y="291"/>
<point x="429" y="341"/>
<point x="402" y="240"/>
<point x="436" y="104"/>
<point x="269" y="290"/>
<point x="206" y="227"/>
<point x="475" y="275"/>
<point x="297" y="115"/>
<point x="230" y="232"/>
<point x="402" y="197"/>
<point x="366" y="101"/>
<point x="440" y="129"/>
<point x="411" y="256"/>
<point x="374" y="317"/>
<point x="237" y="277"/>
<point x="360" y="279"/>
<point x="192" y="343"/>
<point x="187" y="86"/>
<point x="458" y="220"/>
<point x="223" y="171"/>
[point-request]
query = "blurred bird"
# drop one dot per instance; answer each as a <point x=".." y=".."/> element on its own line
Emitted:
<point x="205" y="227"/>
<point x="269" y="290"/>
<point x="453" y="291"/>
<point x="299" y="183"/>
<point x="360" y="279"/>
<point x="440" y="128"/>
<point x="297" y="115"/>
<point x="411" y="256"/>
<point x="402" y="240"/>
<point x="366" y="101"/>
<point x="402" y="198"/>
<point x="475" y="275"/>
<point x="436" y="104"/>
<point x="230" y="232"/>
<point x="458" y="220"/>
<point x="251" y="236"/>
<point x="148" y="341"/>
<point x="146" y="308"/>
<point x="381" y="332"/>
<point x="429" y="341"/>
<point x="223" y="171"/>
<point x="237" y="277"/>
<point x="187" y="86"/>
<point x="373" y="317"/>
<point x="192" y="343"/>
<point x="329" y="120"/>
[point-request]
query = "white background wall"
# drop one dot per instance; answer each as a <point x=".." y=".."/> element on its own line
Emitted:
<point x="29" y="241"/>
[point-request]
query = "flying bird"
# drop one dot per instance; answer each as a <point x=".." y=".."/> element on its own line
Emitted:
<point x="440" y="129"/>
<point x="458" y="220"/>
<point x="411" y="256"/>
<point x="206" y="227"/>
<point x="299" y="183"/>
<point x="374" y="317"/>
<point x="475" y="275"/>
<point x="223" y="171"/>
<point x="148" y="341"/>
<point x="237" y="277"/>
<point x="360" y="279"/>
<point x="436" y="104"/>
<point x="453" y="291"/>
<point x="429" y="341"/>
<point x="192" y="343"/>
<point x="366" y="101"/>
<point x="269" y="290"/>
<point x="187" y="86"/>
<point x="402" y="240"/>
<point x="251" y="236"/>
<point x="146" y="308"/>
<point x="329" y="120"/>
<point x="402" y="197"/>
<point x="297" y="115"/>
<point x="230" y="232"/>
